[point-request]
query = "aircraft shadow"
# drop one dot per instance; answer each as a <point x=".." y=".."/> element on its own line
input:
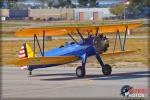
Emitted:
<point x="123" y="76"/>
<point x="117" y="76"/>
<point x="57" y="74"/>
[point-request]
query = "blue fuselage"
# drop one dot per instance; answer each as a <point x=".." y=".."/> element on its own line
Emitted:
<point x="70" y="49"/>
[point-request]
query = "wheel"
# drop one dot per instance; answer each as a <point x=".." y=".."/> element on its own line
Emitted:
<point x="30" y="72"/>
<point x="80" y="71"/>
<point x="107" y="69"/>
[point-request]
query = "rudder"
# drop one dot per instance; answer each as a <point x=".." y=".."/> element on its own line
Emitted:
<point x="25" y="52"/>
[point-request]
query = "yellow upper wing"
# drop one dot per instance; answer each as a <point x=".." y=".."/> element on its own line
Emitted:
<point x="60" y="31"/>
<point x="44" y="60"/>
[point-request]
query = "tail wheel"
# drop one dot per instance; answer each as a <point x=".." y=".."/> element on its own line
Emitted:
<point x="107" y="69"/>
<point x="30" y="72"/>
<point x="80" y="71"/>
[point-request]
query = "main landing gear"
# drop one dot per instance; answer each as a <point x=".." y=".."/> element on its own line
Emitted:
<point x="106" y="69"/>
<point x="80" y="71"/>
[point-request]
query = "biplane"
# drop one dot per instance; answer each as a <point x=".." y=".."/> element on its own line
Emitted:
<point x="94" y="44"/>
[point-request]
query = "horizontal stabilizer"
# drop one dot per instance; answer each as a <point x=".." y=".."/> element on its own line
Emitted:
<point x="44" y="60"/>
<point x="118" y="52"/>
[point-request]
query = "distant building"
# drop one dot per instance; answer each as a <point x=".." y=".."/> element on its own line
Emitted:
<point x="4" y="14"/>
<point x="56" y="14"/>
<point x="91" y="13"/>
<point x="18" y="14"/>
<point x="51" y="14"/>
<point x="99" y="13"/>
<point x="31" y="9"/>
<point x="37" y="14"/>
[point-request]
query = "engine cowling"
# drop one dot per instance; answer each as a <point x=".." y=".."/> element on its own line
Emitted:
<point x="101" y="44"/>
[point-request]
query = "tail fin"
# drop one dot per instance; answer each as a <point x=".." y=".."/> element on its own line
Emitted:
<point x="25" y="52"/>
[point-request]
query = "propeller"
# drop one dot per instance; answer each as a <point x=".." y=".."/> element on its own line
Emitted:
<point x="100" y="43"/>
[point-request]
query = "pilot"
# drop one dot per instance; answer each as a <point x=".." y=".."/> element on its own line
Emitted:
<point x="66" y="43"/>
<point x="100" y="35"/>
<point x="90" y="36"/>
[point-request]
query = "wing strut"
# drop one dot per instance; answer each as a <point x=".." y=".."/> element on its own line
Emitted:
<point x="34" y="45"/>
<point x="43" y="41"/>
<point x="72" y="38"/>
<point x="125" y="35"/>
<point x="36" y="40"/>
<point x="80" y="34"/>
<point x="122" y="43"/>
<point x="115" y="41"/>
<point x="120" y="40"/>
<point x="96" y="31"/>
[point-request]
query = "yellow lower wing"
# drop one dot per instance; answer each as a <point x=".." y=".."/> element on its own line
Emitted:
<point x="44" y="60"/>
<point x="56" y="59"/>
<point x="118" y="52"/>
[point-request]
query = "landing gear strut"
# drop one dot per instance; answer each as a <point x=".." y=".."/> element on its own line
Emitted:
<point x="80" y="71"/>
<point x="106" y="69"/>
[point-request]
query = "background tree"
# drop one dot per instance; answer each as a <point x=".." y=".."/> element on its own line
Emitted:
<point x="134" y="9"/>
<point x="83" y="2"/>
<point x="93" y="3"/>
<point x="44" y="3"/>
<point x="135" y="6"/>
<point x="117" y="10"/>
<point x="146" y="2"/>
<point x="12" y="4"/>
<point x="61" y="3"/>
<point x="50" y="3"/>
<point x="68" y="3"/>
<point x="87" y="3"/>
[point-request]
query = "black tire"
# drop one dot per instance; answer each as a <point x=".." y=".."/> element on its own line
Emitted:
<point x="107" y="70"/>
<point x="30" y="73"/>
<point x="80" y="72"/>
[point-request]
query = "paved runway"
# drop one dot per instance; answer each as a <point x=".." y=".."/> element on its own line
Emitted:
<point x="61" y="82"/>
